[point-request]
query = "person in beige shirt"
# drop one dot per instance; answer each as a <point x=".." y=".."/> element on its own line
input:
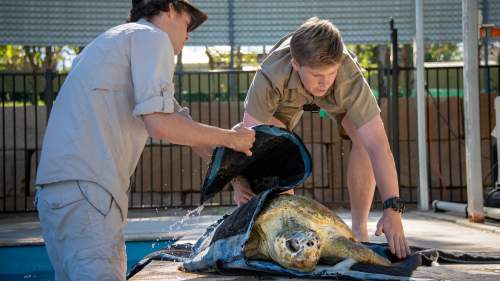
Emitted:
<point x="118" y="93"/>
<point x="312" y="66"/>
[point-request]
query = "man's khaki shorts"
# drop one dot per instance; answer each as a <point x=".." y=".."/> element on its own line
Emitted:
<point x="83" y="231"/>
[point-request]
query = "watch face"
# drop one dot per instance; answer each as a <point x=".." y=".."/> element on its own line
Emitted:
<point x="400" y="206"/>
<point x="394" y="203"/>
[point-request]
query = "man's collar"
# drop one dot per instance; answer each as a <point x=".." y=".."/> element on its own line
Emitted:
<point x="144" y="21"/>
<point x="294" y="81"/>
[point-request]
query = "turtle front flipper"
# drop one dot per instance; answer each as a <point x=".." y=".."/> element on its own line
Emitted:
<point x="256" y="246"/>
<point x="339" y="248"/>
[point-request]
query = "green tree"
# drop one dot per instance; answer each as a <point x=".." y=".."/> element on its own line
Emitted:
<point x="218" y="58"/>
<point x="365" y="53"/>
<point x="439" y="52"/>
<point x="35" y="58"/>
<point x="12" y="58"/>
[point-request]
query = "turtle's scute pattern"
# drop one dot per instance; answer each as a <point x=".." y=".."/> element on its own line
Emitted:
<point x="298" y="232"/>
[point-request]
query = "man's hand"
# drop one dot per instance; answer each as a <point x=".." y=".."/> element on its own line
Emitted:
<point x="242" y="191"/>
<point x="243" y="139"/>
<point x="391" y="225"/>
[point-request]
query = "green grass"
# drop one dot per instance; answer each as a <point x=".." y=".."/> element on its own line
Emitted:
<point x="20" y="103"/>
<point x="442" y="93"/>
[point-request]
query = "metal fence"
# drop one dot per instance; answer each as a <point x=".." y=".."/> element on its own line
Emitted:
<point x="171" y="176"/>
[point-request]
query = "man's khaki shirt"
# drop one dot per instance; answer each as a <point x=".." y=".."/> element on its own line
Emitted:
<point x="277" y="91"/>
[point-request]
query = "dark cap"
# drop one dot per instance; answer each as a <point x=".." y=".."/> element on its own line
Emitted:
<point x="197" y="16"/>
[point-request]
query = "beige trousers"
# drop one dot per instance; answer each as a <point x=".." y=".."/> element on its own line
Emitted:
<point x="83" y="231"/>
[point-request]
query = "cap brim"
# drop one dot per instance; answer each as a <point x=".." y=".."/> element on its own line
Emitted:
<point x="197" y="16"/>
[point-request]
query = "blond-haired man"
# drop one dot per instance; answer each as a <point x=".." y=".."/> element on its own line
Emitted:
<point x="312" y="66"/>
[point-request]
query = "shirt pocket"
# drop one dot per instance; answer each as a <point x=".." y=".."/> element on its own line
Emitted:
<point x="111" y="88"/>
<point x="290" y="99"/>
<point x="294" y="99"/>
<point x="111" y="77"/>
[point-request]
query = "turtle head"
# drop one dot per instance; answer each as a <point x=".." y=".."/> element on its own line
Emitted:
<point x="297" y="248"/>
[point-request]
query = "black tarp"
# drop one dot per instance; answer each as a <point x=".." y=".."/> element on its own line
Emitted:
<point x="279" y="159"/>
<point x="221" y="249"/>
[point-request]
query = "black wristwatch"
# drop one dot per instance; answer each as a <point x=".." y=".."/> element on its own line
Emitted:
<point x="394" y="203"/>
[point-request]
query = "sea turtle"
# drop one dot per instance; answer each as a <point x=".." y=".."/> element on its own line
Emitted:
<point x="297" y="232"/>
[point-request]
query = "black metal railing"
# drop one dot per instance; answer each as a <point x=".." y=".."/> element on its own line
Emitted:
<point x="170" y="175"/>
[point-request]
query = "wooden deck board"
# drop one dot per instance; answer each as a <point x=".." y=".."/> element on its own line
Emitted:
<point x="162" y="270"/>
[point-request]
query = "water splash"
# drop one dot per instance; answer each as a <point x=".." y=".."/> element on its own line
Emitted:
<point x="176" y="226"/>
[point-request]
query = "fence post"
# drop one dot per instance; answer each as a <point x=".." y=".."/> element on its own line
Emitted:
<point x="49" y="93"/>
<point x="423" y="187"/>
<point x="394" y="101"/>
<point x="231" y="76"/>
<point x="230" y="9"/>
<point x="486" y="78"/>
<point x="471" y="112"/>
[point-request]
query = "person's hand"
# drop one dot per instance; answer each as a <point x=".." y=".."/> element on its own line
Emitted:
<point x="242" y="139"/>
<point x="242" y="192"/>
<point x="391" y="225"/>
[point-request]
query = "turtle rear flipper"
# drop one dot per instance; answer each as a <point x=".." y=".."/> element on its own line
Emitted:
<point x="340" y="248"/>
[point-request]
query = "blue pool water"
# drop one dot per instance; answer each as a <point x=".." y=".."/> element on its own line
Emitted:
<point x="32" y="262"/>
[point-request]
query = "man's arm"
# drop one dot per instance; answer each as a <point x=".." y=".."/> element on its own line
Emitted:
<point x="242" y="190"/>
<point x="250" y="121"/>
<point x="241" y="186"/>
<point x="178" y="129"/>
<point x="375" y="141"/>
<point x="205" y="152"/>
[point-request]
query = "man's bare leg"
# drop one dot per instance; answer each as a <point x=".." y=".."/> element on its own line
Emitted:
<point x="360" y="183"/>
